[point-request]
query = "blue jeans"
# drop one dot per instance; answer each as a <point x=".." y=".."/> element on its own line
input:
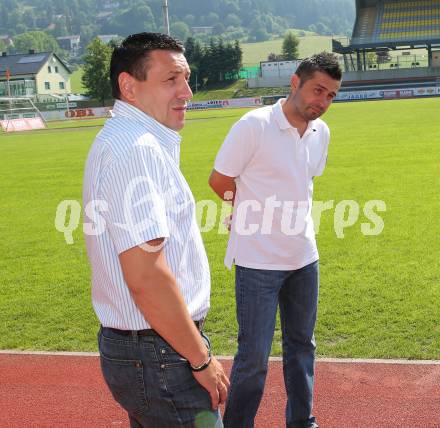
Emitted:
<point x="258" y="293"/>
<point x="153" y="383"/>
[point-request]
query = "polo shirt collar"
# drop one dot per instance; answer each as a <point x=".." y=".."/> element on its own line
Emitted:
<point x="282" y="121"/>
<point x="165" y="135"/>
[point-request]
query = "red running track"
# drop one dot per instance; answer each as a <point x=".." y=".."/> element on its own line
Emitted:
<point x="68" y="391"/>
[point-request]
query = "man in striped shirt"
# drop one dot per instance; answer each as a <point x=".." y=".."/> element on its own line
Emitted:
<point x="150" y="273"/>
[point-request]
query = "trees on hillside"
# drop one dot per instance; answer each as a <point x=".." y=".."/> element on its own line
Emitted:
<point x="97" y="69"/>
<point x="180" y="30"/>
<point x="273" y="57"/>
<point x="213" y="63"/>
<point x="135" y="18"/>
<point x="38" y="41"/>
<point x="251" y="20"/>
<point x="290" y="46"/>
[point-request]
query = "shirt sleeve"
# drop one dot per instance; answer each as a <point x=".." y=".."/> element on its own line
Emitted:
<point x="323" y="161"/>
<point x="236" y="151"/>
<point x="134" y="192"/>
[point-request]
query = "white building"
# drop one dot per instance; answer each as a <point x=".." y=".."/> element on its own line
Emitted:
<point x="278" y="68"/>
<point x="36" y="75"/>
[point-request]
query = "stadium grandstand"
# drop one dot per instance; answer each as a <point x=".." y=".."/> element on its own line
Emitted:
<point x="394" y="42"/>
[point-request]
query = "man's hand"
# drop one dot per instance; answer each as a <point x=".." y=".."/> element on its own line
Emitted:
<point x="215" y="381"/>
<point x="223" y="185"/>
<point x="156" y="293"/>
<point x="228" y="222"/>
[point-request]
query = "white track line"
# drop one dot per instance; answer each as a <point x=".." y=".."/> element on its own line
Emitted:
<point x="228" y="357"/>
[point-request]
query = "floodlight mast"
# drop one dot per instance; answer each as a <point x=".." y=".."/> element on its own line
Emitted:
<point x="166" y="21"/>
<point x="8" y="78"/>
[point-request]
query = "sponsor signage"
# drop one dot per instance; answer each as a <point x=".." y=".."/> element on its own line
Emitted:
<point x="399" y="93"/>
<point x="427" y="91"/>
<point x="77" y="113"/>
<point x="84" y="113"/>
<point x="25" y="124"/>
<point x="232" y="103"/>
<point x="359" y="95"/>
<point x="64" y="105"/>
<point x="387" y="94"/>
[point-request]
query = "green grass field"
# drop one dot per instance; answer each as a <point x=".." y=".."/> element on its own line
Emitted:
<point x="379" y="294"/>
<point x="236" y="89"/>
<point x="310" y="44"/>
<point x="222" y="92"/>
<point x="75" y="82"/>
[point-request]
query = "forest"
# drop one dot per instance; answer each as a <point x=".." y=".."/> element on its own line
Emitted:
<point x="244" y="20"/>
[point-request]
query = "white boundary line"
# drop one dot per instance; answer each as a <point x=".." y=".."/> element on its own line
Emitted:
<point x="378" y="361"/>
<point x="228" y="357"/>
<point x="49" y="353"/>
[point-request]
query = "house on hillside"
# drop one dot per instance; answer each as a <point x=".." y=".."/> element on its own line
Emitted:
<point x="36" y="75"/>
<point x="6" y="39"/>
<point x="107" y="38"/>
<point x="103" y="17"/>
<point x="70" y="44"/>
<point x="110" y="5"/>
<point x="202" y="30"/>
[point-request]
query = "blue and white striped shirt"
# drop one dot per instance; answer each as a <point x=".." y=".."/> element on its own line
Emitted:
<point x="134" y="192"/>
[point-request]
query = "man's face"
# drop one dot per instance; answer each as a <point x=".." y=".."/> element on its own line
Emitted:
<point x="165" y="92"/>
<point x="312" y="99"/>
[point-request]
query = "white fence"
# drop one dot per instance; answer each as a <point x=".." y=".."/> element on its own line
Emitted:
<point x="96" y="112"/>
<point x="232" y="103"/>
<point x="386" y="94"/>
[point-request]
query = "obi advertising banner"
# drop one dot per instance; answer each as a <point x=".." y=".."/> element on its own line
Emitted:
<point x="77" y="113"/>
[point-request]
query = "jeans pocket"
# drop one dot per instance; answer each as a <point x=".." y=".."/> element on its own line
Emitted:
<point x="178" y="377"/>
<point x="176" y="370"/>
<point x="125" y="379"/>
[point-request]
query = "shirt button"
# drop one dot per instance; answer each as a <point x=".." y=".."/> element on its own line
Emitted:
<point x="163" y="351"/>
<point x="162" y="366"/>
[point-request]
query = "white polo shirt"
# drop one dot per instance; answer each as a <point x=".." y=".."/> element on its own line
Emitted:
<point x="272" y="226"/>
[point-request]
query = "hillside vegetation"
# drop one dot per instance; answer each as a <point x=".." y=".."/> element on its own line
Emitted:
<point x="245" y="20"/>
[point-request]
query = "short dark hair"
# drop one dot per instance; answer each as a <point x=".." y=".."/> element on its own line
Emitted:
<point x="132" y="56"/>
<point x="324" y="62"/>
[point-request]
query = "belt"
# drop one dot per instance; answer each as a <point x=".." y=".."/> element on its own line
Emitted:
<point x="149" y="331"/>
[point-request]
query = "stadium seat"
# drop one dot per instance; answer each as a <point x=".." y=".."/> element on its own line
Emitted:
<point x="392" y="25"/>
<point x="407" y="20"/>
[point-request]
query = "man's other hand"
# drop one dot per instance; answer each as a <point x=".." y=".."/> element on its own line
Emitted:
<point x="215" y="381"/>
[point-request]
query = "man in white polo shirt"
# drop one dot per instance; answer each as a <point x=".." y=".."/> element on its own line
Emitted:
<point x="150" y="273"/>
<point x="266" y="166"/>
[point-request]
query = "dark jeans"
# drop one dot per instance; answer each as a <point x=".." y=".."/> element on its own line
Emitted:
<point x="258" y="293"/>
<point x="153" y="383"/>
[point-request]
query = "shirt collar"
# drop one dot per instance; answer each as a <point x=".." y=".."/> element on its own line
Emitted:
<point x="165" y="135"/>
<point x="281" y="118"/>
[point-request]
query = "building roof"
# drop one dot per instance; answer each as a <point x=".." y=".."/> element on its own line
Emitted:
<point x="30" y="63"/>
<point x="6" y="39"/>
<point x="107" y="38"/>
<point x="75" y="37"/>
